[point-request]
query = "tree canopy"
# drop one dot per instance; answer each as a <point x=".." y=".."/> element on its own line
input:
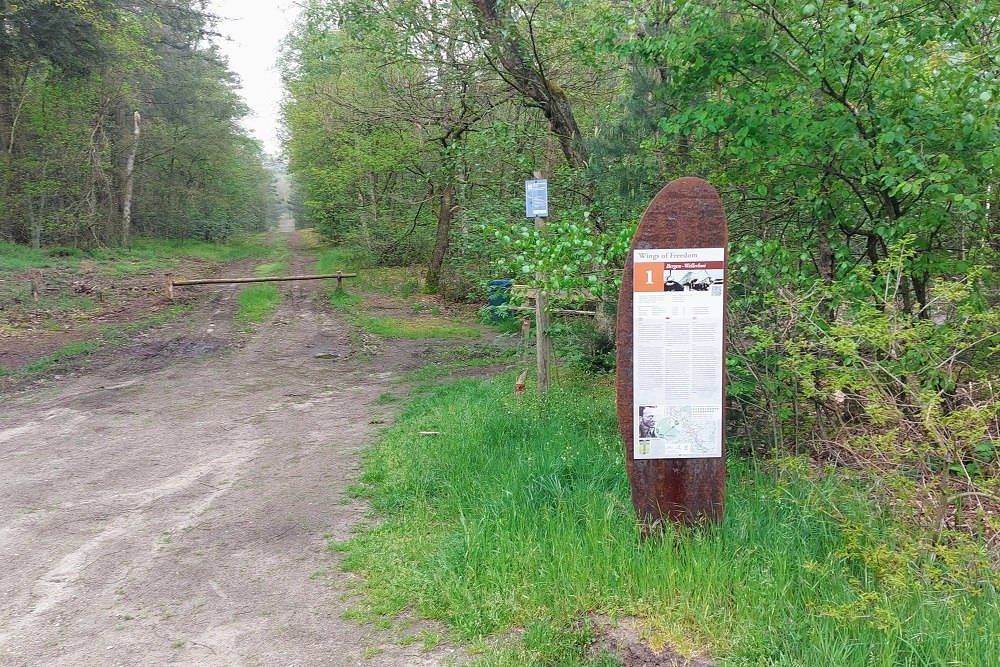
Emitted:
<point x="855" y="146"/>
<point x="79" y="167"/>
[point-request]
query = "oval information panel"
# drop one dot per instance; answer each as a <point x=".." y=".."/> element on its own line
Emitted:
<point x="671" y="352"/>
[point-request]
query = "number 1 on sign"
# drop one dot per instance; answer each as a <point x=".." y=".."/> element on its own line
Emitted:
<point x="649" y="271"/>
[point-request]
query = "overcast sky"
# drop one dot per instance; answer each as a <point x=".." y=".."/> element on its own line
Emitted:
<point x="255" y="30"/>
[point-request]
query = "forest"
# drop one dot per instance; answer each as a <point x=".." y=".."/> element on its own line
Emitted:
<point x="121" y="119"/>
<point x="853" y="143"/>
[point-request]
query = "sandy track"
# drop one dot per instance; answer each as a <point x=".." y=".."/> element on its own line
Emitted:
<point x="170" y="507"/>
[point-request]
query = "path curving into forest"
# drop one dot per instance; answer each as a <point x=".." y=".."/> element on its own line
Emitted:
<point x="173" y="505"/>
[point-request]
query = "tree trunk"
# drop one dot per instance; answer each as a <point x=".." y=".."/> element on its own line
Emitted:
<point x="127" y="197"/>
<point x="35" y="224"/>
<point x="7" y="88"/>
<point x="530" y="82"/>
<point x="527" y="77"/>
<point x="445" y="212"/>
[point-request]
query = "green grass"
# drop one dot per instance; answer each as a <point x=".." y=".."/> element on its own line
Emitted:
<point x="15" y="257"/>
<point x="331" y="260"/>
<point x="397" y="281"/>
<point x="271" y="269"/>
<point x="242" y="248"/>
<point x="144" y="255"/>
<point x="59" y="303"/>
<point x="425" y="328"/>
<point x="281" y="257"/>
<point x="452" y="359"/>
<point x="393" y="281"/>
<point x="392" y="327"/>
<point x="341" y="299"/>
<point x="436" y="370"/>
<point x="58" y="358"/>
<point x="257" y="302"/>
<point x="518" y="516"/>
<point x="147" y="255"/>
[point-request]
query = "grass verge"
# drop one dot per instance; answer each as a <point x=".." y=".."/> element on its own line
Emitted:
<point x="517" y="516"/>
<point x="280" y="257"/>
<point x="341" y="299"/>
<point x="417" y="328"/>
<point x="400" y="282"/>
<point x="257" y="302"/>
<point x="143" y="255"/>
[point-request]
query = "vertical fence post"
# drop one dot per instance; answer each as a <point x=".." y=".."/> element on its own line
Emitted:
<point x="543" y="343"/>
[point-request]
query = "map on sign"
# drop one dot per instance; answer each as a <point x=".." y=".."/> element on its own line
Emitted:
<point x="536" y="198"/>
<point x="678" y="318"/>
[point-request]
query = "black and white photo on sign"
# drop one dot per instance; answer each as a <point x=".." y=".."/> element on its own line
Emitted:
<point x="693" y="280"/>
<point x="647" y="421"/>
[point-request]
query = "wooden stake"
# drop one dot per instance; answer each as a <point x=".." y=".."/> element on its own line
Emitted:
<point x="543" y="344"/>
<point x="520" y="384"/>
<point x="170" y="287"/>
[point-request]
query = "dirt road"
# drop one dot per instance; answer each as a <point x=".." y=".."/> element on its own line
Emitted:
<point x="171" y="505"/>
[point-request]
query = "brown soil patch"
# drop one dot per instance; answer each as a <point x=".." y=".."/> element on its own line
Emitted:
<point x="31" y="330"/>
<point x="622" y="641"/>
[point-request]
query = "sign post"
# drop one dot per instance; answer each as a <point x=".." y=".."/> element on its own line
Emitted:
<point x="536" y="204"/>
<point x="671" y="352"/>
<point x="536" y="197"/>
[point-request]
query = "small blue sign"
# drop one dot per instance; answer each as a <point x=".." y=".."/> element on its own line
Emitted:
<point x="536" y="199"/>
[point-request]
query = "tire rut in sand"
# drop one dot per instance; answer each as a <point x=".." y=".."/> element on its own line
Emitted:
<point x="171" y="509"/>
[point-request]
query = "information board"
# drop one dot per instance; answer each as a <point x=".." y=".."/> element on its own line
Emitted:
<point x="671" y="349"/>
<point x="677" y="324"/>
<point x="536" y="198"/>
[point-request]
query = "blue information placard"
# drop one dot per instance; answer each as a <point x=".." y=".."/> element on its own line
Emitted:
<point x="536" y="199"/>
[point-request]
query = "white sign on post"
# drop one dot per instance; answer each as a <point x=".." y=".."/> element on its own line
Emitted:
<point x="677" y="322"/>
<point x="536" y="199"/>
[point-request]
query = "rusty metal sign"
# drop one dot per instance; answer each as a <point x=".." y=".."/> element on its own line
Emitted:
<point x="671" y="356"/>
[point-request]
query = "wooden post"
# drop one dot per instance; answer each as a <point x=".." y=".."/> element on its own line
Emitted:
<point x="543" y="343"/>
<point x="519" y="384"/>
<point x="35" y="283"/>
<point x="170" y="287"/>
<point x="340" y="281"/>
<point x="262" y="279"/>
